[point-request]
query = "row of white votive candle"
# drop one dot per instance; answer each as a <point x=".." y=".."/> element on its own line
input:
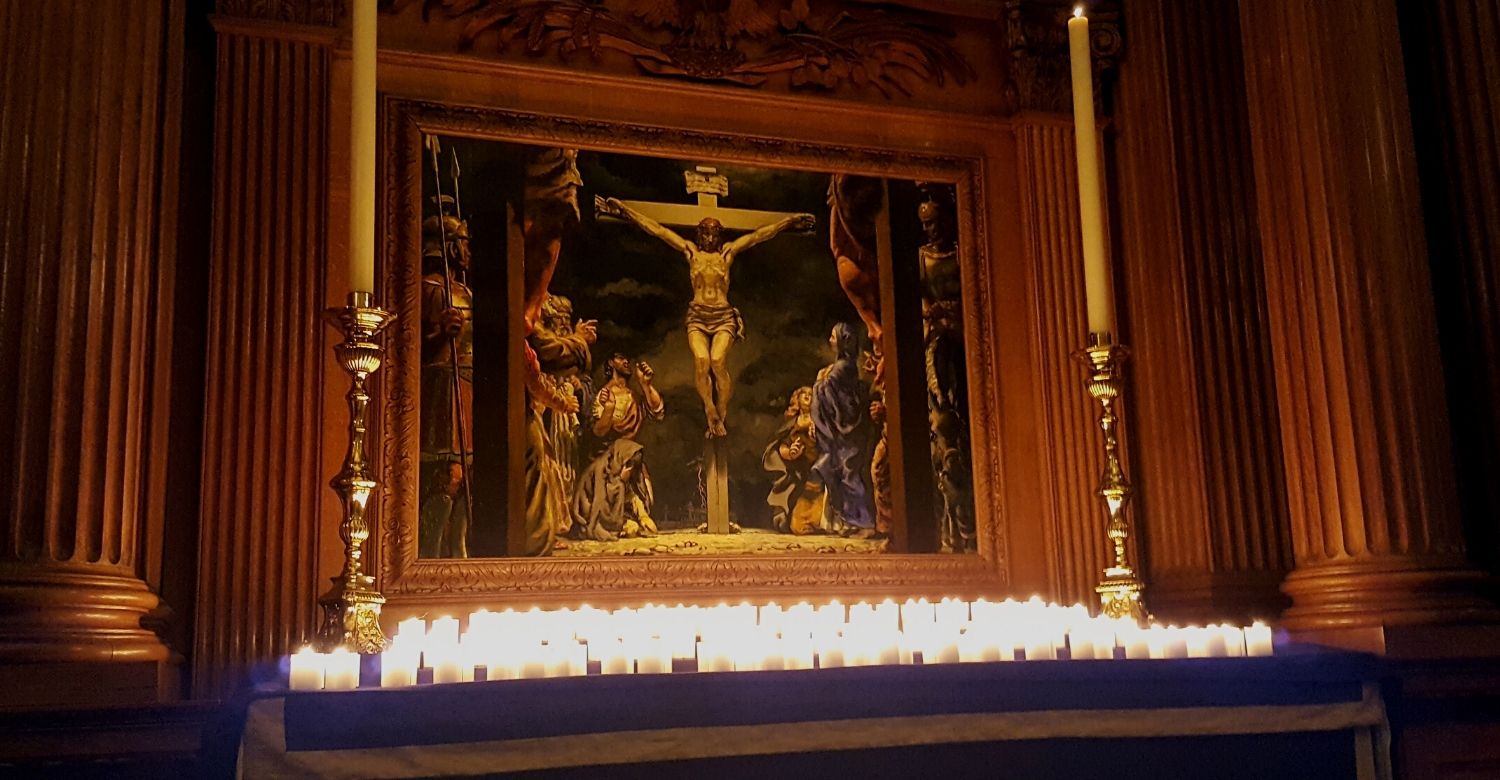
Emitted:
<point x="568" y="642"/>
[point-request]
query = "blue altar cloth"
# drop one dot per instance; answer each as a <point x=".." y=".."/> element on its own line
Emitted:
<point x="1300" y="716"/>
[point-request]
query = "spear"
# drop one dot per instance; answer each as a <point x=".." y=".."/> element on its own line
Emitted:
<point x="431" y="142"/>
<point x="458" y="206"/>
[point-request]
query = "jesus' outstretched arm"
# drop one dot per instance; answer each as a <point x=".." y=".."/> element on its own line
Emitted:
<point x="769" y="231"/>
<point x="614" y="208"/>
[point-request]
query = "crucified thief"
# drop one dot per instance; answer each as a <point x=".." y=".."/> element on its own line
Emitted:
<point x="712" y="324"/>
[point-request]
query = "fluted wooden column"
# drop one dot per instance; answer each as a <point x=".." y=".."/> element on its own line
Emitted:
<point x="264" y="479"/>
<point x="1365" y="433"/>
<point x="1208" y="457"/>
<point x="1455" y="81"/>
<point x="87" y="134"/>
<point x="1071" y="452"/>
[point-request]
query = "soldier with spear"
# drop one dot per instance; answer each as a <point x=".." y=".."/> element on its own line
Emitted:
<point x="447" y="375"/>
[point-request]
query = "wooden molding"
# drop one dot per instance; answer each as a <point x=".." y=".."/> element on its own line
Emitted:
<point x="818" y="45"/>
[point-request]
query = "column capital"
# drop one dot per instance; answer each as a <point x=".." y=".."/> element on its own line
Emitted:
<point x="320" y="13"/>
<point x="1036" y="35"/>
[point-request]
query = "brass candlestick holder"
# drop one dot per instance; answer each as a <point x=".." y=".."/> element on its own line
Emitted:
<point x="351" y="608"/>
<point x="1120" y="590"/>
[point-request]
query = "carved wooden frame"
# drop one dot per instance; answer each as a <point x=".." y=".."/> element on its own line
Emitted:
<point x="407" y="579"/>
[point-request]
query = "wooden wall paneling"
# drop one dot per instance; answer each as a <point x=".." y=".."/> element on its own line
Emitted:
<point x="1209" y="467"/>
<point x="86" y="135"/>
<point x="1365" y="437"/>
<point x="1073" y="516"/>
<point x="1455" y="74"/>
<point x="263" y="476"/>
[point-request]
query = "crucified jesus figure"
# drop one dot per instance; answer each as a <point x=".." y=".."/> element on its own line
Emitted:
<point x="712" y="324"/>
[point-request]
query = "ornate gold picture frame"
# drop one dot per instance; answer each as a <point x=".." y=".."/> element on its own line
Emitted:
<point x="408" y="579"/>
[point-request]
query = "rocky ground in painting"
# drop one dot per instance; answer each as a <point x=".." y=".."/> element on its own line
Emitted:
<point x="750" y="541"/>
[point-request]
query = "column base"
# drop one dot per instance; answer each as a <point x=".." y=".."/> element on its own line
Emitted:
<point x="1357" y="605"/>
<point x="75" y="614"/>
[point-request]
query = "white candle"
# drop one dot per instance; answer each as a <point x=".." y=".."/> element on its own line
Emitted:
<point x="501" y="663"/>
<point x="652" y="656"/>
<point x="362" y="147"/>
<point x="972" y="647"/>
<point x="307" y="670"/>
<point x="797" y="651"/>
<point x="611" y="655"/>
<point x="799" y="618"/>
<point x="1080" y="645"/>
<point x="888" y="646"/>
<point x="1039" y="645"/>
<point x="1214" y="643"/>
<point x="952" y="612"/>
<point x="830" y="646"/>
<point x="448" y="665"/>
<point x="1177" y="646"/>
<point x="561" y="657"/>
<point x="714" y="656"/>
<point x="444" y="631"/>
<point x="413" y="629"/>
<point x="1092" y="640"/>
<point x="1234" y="640"/>
<point x="1134" y="642"/>
<point x="342" y="670"/>
<point x="1258" y="640"/>
<point x="1098" y="285"/>
<point x="398" y="665"/>
<point x="771" y="656"/>
<point x="531" y="659"/>
<point x="916" y="615"/>
<point x="1198" y="642"/>
<point x="770" y="616"/>
<point x="941" y="647"/>
<point x="831" y="617"/>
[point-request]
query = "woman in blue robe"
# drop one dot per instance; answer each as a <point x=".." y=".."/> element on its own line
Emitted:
<point x="841" y="428"/>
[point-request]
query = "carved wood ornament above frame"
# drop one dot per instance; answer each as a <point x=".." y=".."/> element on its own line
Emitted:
<point x="406" y="579"/>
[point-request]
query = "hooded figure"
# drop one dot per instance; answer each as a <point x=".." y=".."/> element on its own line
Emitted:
<point x="842" y="432"/>
<point x="613" y="497"/>
<point x="796" y="497"/>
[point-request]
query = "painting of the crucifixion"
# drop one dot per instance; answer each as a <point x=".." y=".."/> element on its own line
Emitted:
<point x="706" y="355"/>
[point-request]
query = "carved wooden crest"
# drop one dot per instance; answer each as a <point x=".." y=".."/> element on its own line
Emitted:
<point x="735" y="41"/>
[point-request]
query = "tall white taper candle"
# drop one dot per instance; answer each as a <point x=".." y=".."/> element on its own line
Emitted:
<point x="1098" y="284"/>
<point x="362" y="149"/>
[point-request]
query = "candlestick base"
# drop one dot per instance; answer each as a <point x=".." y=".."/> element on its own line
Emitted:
<point x="351" y="608"/>
<point x="1121" y="588"/>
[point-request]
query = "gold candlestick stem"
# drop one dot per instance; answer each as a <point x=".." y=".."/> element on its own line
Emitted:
<point x="1120" y="590"/>
<point x="351" y="608"/>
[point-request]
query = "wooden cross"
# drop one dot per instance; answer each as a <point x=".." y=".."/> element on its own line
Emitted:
<point x="709" y="185"/>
